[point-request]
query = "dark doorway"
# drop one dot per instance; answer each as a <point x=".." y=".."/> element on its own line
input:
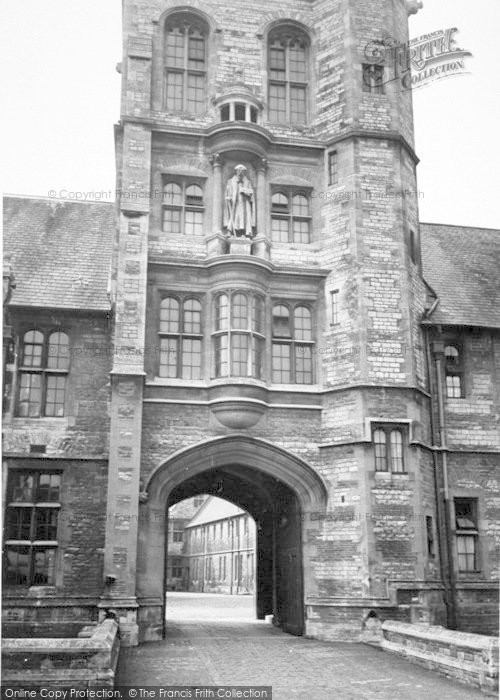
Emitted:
<point x="276" y="511"/>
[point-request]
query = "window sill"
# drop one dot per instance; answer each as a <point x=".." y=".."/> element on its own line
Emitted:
<point x="31" y="420"/>
<point x="312" y="245"/>
<point x="32" y="590"/>
<point x="296" y="388"/>
<point x="222" y="381"/>
<point x="289" y="125"/>
<point x="177" y="238"/>
<point x="31" y="543"/>
<point x="163" y="381"/>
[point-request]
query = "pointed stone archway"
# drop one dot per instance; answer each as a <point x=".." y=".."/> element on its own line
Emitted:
<point x="277" y="488"/>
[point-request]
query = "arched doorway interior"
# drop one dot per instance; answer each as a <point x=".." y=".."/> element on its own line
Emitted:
<point x="276" y="488"/>
<point x="276" y="511"/>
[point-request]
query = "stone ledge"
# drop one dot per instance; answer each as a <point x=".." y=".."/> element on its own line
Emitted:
<point x="91" y="660"/>
<point x="471" y="659"/>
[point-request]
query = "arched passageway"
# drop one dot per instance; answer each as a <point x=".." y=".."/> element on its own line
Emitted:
<point x="277" y="515"/>
<point x="275" y="487"/>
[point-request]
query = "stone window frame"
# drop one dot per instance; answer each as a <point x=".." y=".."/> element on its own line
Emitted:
<point x="454" y="374"/>
<point x="291" y="192"/>
<point x="467" y="530"/>
<point x="184" y="205"/>
<point x="335" y="307"/>
<point x="177" y="535"/>
<point x="413" y="247"/>
<point x="180" y="336"/>
<point x="51" y="365"/>
<point x="194" y="565"/>
<point x="333" y="168"/>
<point x="430" y="537"/>
<point x="288" y="31"/>
<point x="237" y="567"/>
<point x="189" y="21"/>
<point x="386" y="459"/>
<point x="373" y="79"/>
<point x="255" y="333"/>
<point x="294" y="343"/>
<point x="175" y="572"/>
<point x="31" y="503"/>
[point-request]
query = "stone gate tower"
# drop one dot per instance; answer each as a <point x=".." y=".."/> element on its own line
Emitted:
<point x="268" y="297"/>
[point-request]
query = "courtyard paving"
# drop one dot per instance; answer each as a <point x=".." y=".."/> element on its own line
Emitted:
<point x="214" y="640"/>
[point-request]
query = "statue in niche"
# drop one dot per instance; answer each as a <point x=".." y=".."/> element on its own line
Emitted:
<point x="239" y="209"/>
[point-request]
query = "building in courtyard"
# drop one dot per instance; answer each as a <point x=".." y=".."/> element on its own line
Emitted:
<point x="262" y="318"/>
<point x="220" y="549"/>
<point x="179" y="516"/>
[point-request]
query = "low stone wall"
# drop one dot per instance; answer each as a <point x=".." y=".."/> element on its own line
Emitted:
<point x="86" y="661"/>
<point x="468" y="658"/>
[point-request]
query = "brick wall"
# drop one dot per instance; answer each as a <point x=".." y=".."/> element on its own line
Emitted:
<point x="472" y="421"/>
<point x="64" y="607"/>
<point x="84" y="429"/>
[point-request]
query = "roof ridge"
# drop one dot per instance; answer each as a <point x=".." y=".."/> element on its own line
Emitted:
<point x="480" y="228"/>
<point x="45" y="198"/>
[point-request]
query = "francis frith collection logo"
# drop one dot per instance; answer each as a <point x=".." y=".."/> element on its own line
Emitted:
<point x="416" y="63"/>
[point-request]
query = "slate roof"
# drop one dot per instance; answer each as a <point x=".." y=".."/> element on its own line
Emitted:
<point x="462" y="265"/>
<point x="60" y="252"/>
<point x="214" y="509"/>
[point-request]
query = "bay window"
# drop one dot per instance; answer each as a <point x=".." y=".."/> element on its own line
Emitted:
<point x="239" y="334"/>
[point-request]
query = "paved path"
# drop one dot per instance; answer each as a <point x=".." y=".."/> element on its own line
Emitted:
<point x="213" y="640"/>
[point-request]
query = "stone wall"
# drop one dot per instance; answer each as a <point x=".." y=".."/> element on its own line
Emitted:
<point x="471" y="659"/>
<point x="84" y="429"/>
<point x="473" y="465"/>
<point x="369" y="550"/>
<point x="87" y="661"/>
<point x="370" y="366"/>
<point x="72" y="600"/>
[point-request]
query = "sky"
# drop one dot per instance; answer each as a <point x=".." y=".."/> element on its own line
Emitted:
<point x="62" y="94"/>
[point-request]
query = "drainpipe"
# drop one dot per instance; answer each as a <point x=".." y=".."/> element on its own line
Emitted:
<point x="442" y="489"/>
<point x="231" y="527"/>
<point x="205" y="559"/>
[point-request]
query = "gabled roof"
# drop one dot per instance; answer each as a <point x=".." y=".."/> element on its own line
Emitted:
<point x="462" y="265"/>
<point x="185" y="510"/>
<point x="213" y="510"/>
<point x="60" y="252"/>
